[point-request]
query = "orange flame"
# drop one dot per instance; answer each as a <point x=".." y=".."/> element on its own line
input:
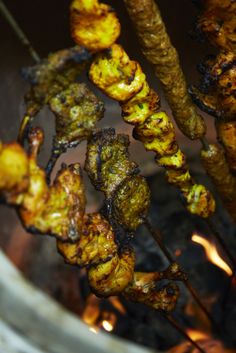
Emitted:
<point x="96" y="318"/>
<point x="212" y="253"/>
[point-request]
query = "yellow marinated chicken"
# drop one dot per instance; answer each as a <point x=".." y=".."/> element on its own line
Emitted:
<point x="14" y="170"/>
<point x="93" y="25"/>
<point x="137" y="109"/>
<point x="143" y="290"/>
<point x="48" y="78"/>
<point x="216" y="93"/>
<point x="218" y="23"/>
<point x="96" y="243"/>
<point x="110" y="170"/>
<point x="110" y="72"/>
<point x="57" y="210"/>
<point x="85" y="240"/>
<point x="111" y="270"/>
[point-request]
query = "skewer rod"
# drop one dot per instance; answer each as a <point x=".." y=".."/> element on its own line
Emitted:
<point x="158" y="237"/>
<point x="183" y="333"/>
<point x="18" y="31"/>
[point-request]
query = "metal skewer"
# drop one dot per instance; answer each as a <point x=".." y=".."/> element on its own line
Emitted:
<point x="158" y="238"/>
<point x="175" y="324"/>
<point x="19" y="32"/>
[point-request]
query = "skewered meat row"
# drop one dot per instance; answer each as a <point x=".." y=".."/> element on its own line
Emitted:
<point x="158" y="49"/>
<point x="217" y="167"/>
<point x="85" y="240"/>
<point x="216" y="94"/>
<point x="122" y="79"/>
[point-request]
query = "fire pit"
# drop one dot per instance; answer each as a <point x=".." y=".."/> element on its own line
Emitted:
<point x="204" y="317"/>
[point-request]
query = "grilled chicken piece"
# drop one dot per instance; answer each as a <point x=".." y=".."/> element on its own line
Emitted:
<point x="49" y="77"/>
<point x="111" y="171"/>
<point x="218" y="23"/>
<point x="77" y="112"/>
<point x="93" y="25"/>
<point x="216" y="94"/>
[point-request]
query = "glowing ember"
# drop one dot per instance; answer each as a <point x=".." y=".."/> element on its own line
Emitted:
<point x="107" y="325"/>
<point x="197" y="335"/>
<point x="212" y="253"/>
<point x="178" y="252"/>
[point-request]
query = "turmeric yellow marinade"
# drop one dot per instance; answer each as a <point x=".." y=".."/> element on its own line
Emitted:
<point x="85" y="240"/>
<point x="123" y="80"/>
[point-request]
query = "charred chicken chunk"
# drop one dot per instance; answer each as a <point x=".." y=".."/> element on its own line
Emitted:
<point x="107" y="160"/>
<point x="113" y="276"/>
<point x="96" y="243"/>
<point x="143" y="290"/>
<point x="216" y="93"/>
<point x="218" y="23"/>
<point x="48" y="78"/>
<point x="77" y="112"/>
<point x="111" y="171"/>
<point x="131" y="202"/>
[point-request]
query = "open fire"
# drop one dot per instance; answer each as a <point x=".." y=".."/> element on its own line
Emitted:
<point x="97" y="318"/>
<point x="100" y="318"/>
<point x="212" y="253"/>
